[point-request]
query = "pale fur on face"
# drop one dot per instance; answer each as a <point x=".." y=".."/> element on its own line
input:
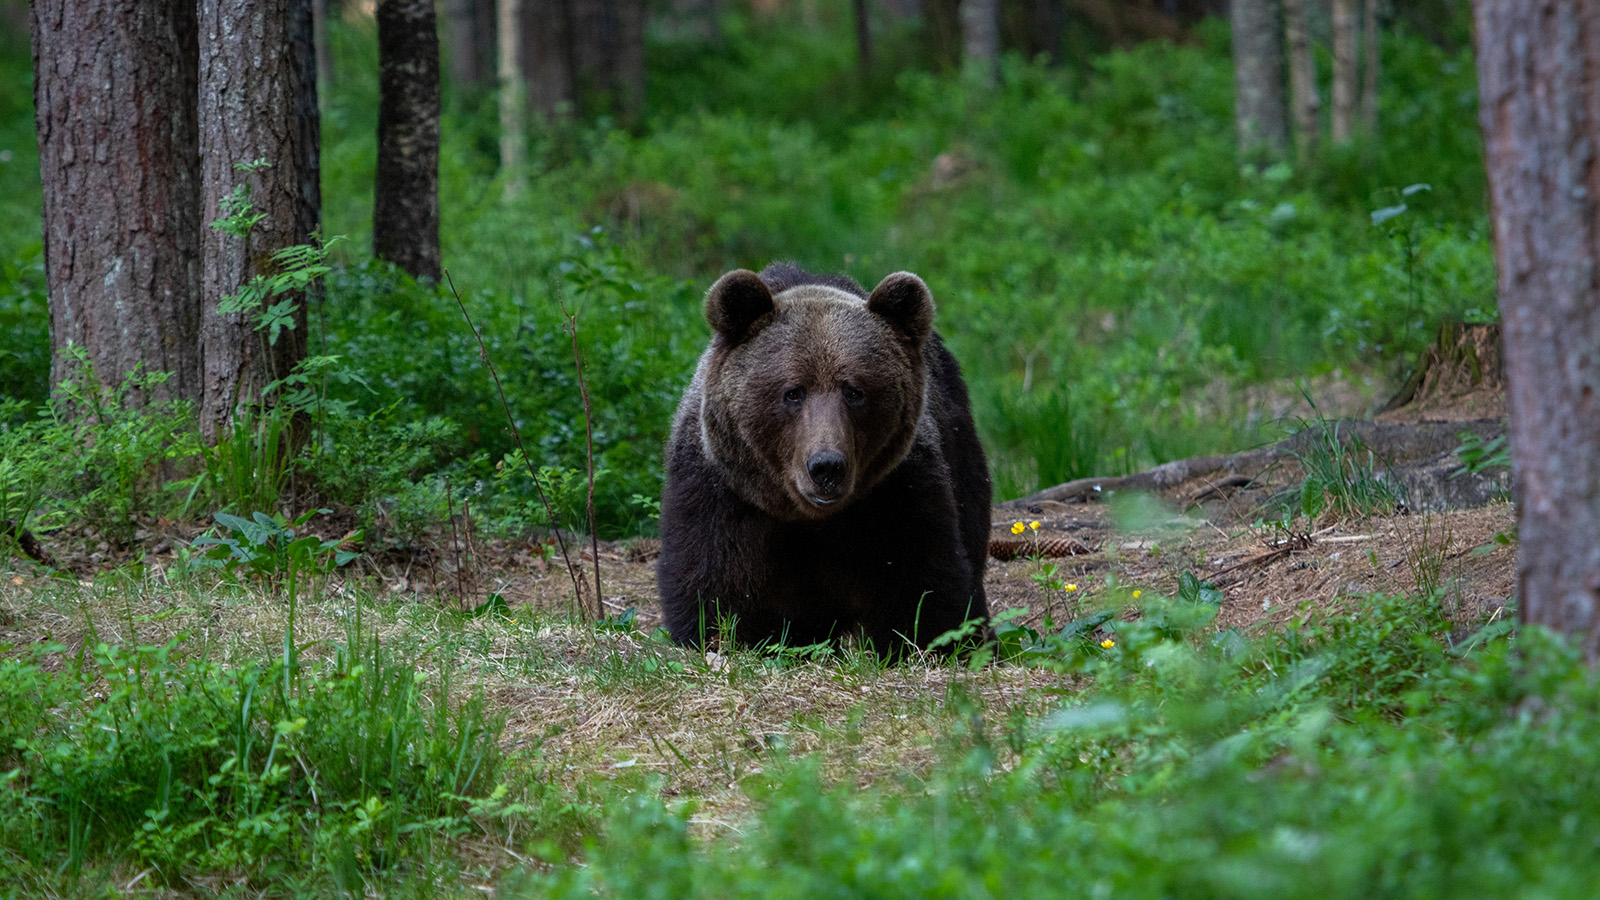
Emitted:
<point x="824" y="341"/>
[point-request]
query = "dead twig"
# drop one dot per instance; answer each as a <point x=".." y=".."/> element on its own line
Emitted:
<point x="549" y="511"/>
<point x="588" y="437"/>
<point x="30" y="546"/>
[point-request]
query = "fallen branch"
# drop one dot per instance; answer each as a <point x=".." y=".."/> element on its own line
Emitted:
<point x="1391" y="443"/>
<point x="30" y="546"/>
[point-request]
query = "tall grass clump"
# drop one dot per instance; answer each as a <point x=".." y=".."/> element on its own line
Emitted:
<point x="339" y="772"/>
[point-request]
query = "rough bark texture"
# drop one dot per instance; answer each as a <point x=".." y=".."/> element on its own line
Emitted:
<point x="1258" y="77"/>
<point x="1302" y="80"/>
<point x="470" y="33"/>
<point x="1370" y="59"/>
<point x="114" y="95"/>
<point x="258" y="67"/>
<point x="405" y="210"/>
<point x="513" y="95"/>
<point x="1346" y="73"/>
<point x="1539" y="80"/>
<point x="980" y="39"/>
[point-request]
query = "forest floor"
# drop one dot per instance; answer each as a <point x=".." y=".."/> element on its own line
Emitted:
<point x="616" y="704"/>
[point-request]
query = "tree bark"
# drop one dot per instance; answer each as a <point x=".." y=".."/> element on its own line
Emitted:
<point x="258" y="69"/>
<point x="1258" y="78"/>
<point x="405" y="209"/>
<point x="1302" y="80"/>
<point x="1346" y="74"/>
<point x="470" y="35"/>
<point x="114" y="98"/>
<point x="1370" y="58"/>
<point x="513" y="97"/>
<point x="980" y="40"/>
<point x="1539" y="83"/>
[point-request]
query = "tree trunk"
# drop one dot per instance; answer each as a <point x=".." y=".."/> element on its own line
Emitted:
<point x="980" y="39"/>
<point x="606" y="56"/>
<point x="258" y="69"/>
<point x="1371" y="58"/>
<point x="513" y="97"/>
<point x="546" y="57"/>
<point x="470" y="35"/>
<point x="863" y="37"/>
<point x="1258" y="78"/>
<point x="1539" y="83"/>
<point x="1346" y="74"/>
<point x="1302" y="80"/>
<point x="405" y="209"/>
<point x="320" y="10"/>
<point x="114" y="96"/>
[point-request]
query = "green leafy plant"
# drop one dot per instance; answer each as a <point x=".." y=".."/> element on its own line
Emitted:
<point x="1478" y="455"/>
<point x="265" y="547"/>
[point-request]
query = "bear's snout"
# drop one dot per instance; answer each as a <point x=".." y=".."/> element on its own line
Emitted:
<point x="829" y="471"/>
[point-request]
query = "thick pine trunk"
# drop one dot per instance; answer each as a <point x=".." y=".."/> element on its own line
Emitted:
<point x="1258" y="78"/>
<point x="114" y="96"/>
<point x="405" y="209"/>
<point x="1302" y="80"/>
<point x="980" y="39"/>
<point x="1346" y="74"/>
<point x="1539" y="84"/>
<point x="259" y="102"/>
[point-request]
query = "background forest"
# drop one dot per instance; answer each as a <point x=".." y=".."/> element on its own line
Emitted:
<point x="328" y="649"/>
<point x="1121" y="286"/>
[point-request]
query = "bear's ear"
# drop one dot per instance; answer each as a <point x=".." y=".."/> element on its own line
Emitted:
<point x="735" y="302"/>
<point x="905" y="301"/>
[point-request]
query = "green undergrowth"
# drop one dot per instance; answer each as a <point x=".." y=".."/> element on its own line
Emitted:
<point x="1368" y="756"/>
<point x="1380" y="751"/>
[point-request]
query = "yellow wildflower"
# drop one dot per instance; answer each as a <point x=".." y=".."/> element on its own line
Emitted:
<point x="1071" y="588"/>
<point x="1034" y="524"/>
<point x="1136" y="594"/>
<point x="1108" y="643"/>
<point x="1017" y="528"/>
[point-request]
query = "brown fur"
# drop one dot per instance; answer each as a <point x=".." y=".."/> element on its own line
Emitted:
<point x="821" y="422"/>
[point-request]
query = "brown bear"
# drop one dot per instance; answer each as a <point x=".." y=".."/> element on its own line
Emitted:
<point x="824" y="474"/>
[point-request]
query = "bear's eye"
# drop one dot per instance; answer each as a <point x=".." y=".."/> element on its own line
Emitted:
<point x="794" y="396"/>
<point x="853" y="395"/>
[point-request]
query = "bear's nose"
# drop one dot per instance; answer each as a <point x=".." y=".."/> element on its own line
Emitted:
<point x="827" y="470"/>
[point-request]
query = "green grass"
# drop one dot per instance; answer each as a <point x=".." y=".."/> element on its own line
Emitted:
<point x="1382" y="751"/>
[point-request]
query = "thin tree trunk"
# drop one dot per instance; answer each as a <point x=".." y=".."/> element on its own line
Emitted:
<point x="980" y="40"/>
<point x="1302" y="80"/>
<point x="320" y="10"/>
<point x="1539" y="83"/>
<point x="1371" y="59"/>
<point x="606" y="56"/>
<point x="1258" y="78"/>
<point x="548" y="57"/>
<point x="405" y="209"/>
<point x="513" y="100"/>
<point x="469" y="33"/>
<point x="259" y="102"/>
<point x="863" y="36"/>
<point x="114" y="98"/>
<point x="1346" y="44"/>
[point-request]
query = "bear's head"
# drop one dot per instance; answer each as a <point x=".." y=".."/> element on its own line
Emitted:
<point x="811" y="393"/>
